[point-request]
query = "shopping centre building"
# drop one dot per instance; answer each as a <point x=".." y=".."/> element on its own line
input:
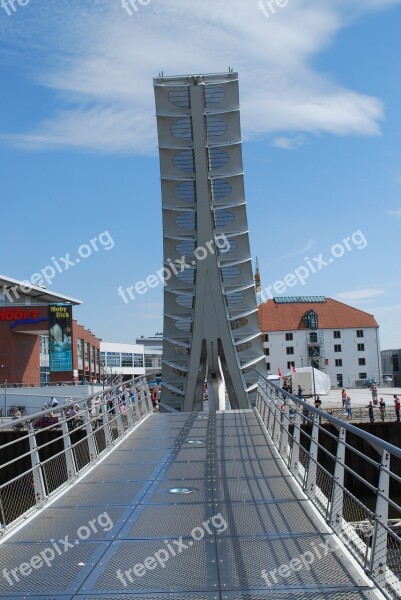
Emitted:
<point x="40" y="341"/>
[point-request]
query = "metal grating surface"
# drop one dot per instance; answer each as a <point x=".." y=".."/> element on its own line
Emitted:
<point x="268" y="519"/>
<point x="242" y="562"/>
<point x="172" y="521"/>
<point x="248" y="468"/>
<point x="178" y="572"/>
<point x="102" y="494"/>
<point x="248" y="490"/>
<point x="56" y="578"/>
<point x="238" y="483"/>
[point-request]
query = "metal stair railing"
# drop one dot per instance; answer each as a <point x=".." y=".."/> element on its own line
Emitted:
<point x="56" y="445"/>
<point x="352" y="477"/>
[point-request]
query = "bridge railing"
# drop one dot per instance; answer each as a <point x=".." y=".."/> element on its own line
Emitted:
<point x="56" y="445"/>
<point x="352" y="477"/>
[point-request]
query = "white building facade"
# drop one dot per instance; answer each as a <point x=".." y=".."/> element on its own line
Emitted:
<point x="337" y="339"/>
<point x="129" y="360"/>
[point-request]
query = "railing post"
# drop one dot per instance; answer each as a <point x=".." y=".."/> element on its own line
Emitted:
<point x="146" y="395"/>
<point x="37" y="474"/>
<point x="119" y="418"/>
<point x="92" y="445"/>
<point x="310" y="486"/>
<point x="108" y="438"/>
<point x="69" y="455"/>
<point x="284" y="448"/>
<point x="128" y="412"/>
<point x="296" y="441"/>
<point x="337" y="492"/>
<point x="380" y="535"/>
<point x="276" y="422"/>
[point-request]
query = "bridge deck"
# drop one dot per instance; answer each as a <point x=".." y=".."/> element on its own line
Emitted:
<point x="261" y="539"/>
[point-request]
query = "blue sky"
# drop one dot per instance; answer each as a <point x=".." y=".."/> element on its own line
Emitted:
<point x="321" y="116"/>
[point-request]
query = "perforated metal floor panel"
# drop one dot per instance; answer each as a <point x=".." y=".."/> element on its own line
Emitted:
<point x="188" y="507"/>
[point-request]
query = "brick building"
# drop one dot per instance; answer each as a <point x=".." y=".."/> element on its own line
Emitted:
<point x="28" y="314"/>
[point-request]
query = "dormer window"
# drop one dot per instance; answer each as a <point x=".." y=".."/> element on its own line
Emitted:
<point x="311" y="320"/>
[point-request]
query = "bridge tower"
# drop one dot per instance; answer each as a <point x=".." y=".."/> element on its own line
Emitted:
<point x="211" y="327"/>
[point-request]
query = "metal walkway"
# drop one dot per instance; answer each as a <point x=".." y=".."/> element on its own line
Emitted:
<point x="195" y="506"/>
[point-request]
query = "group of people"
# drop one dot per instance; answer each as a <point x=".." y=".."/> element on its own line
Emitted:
<point x="347" y="405"/>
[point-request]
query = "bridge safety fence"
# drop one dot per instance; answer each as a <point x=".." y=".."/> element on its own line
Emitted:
<point x="42" y="453"/>
<point x="352" y="477"/>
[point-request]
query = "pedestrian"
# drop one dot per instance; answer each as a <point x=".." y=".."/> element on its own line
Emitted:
<point x="318" y="402"/>
<point x="343" y="397"/>
<point x="374" y="394"/>
<point x="397" y="406"/>
<point x="382" y="408"/>
<point x="371" y="412"/>
<point x="299" y="392"/>
<point x="348" y="407"/>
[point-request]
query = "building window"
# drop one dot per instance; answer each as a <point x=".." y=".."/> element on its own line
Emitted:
<point x="138" y="360"/>
<point x="267" y="352"/>
<point x="361" y="362"/>
<point x="126" y="360"/>
<point x="361" y="347"/>
<point x="313" y="337"/>
<point x="289" y="337"/>
<point x="337" y="347"/>
<point x="314" y="351"/>
<point x="359" y="333"/>
<point x="266" y="337"/>
<point x="396" y="363"/>
<point x="363" y="376"/>
<point x="337" y="335"/>
<point x="103" y="359"/>
<point x="310" y="320"/>
<point x="153" y="361"/>
<point x="268" y="366"/>
<point x="290" y="349"/>
<point x="290" y="364"/>
<point x="339" y="362"/>
<point x="113" y="359"/>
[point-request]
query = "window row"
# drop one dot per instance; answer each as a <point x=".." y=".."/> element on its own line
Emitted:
<point x="359" y="334"/>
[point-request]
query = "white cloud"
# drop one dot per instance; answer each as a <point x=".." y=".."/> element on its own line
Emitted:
<point x="297" y="252"/>
<point x="360" y="294"/>
<point x="289" y="143"/>
<point x="102" y="63"/>
<point x="395" y="213"/>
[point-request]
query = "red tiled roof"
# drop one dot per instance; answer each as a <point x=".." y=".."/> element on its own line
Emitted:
<point x="331" y="315"/>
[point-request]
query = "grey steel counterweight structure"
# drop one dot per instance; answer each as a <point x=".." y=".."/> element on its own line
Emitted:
<point x="211" y="328"/>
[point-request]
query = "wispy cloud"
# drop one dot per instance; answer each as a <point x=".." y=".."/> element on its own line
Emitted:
<point x="358" y="295"/>
<point x="395" y="213"/>
<point x="289" y="143"/>
<point x="103" y="61"/>
<point x="297" y="252"/>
